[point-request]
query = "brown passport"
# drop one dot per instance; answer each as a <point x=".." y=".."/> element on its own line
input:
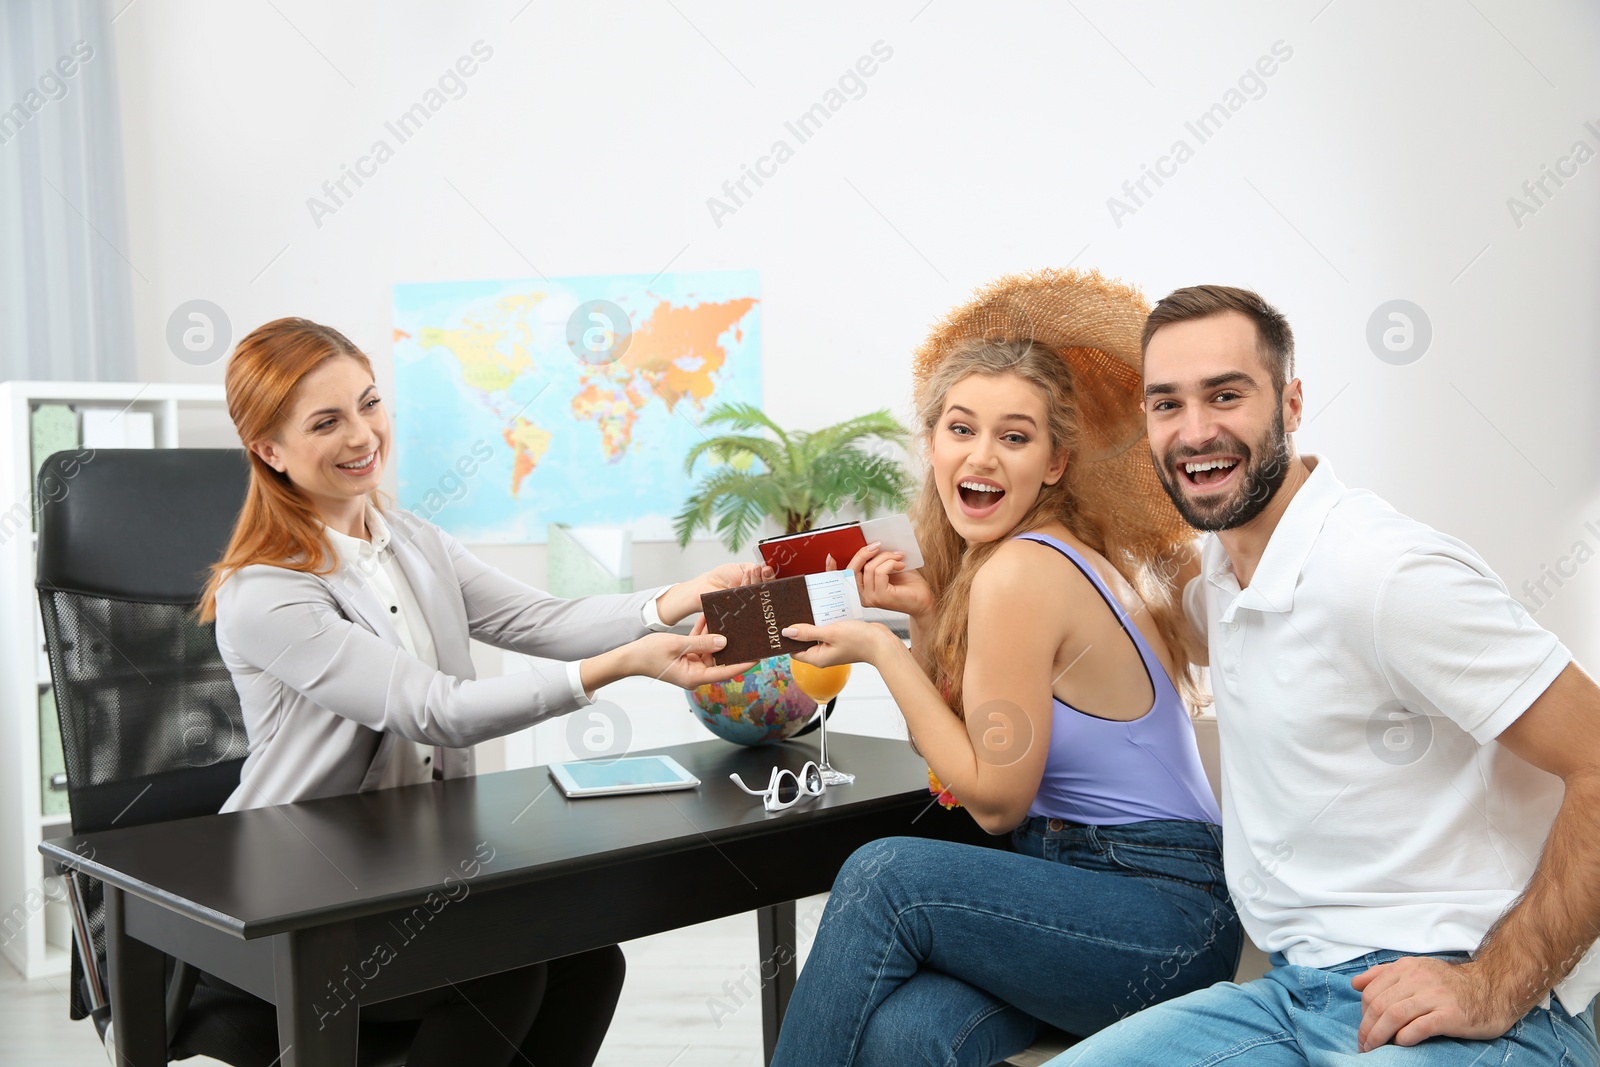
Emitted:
<point x="752" y="618"/>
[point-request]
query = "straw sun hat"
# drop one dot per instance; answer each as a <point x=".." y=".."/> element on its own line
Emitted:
<point x="1094" y="324"/>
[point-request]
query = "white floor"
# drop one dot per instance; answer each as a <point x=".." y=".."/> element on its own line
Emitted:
<point x="685" y="1003"/>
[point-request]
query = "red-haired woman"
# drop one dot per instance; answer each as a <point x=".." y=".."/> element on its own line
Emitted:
<point x="346" y="625"/>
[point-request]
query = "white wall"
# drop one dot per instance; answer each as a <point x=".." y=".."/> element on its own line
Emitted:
<point x="1375" y="165"/>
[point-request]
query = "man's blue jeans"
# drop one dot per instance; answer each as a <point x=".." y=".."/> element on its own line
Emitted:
<point x="1299" y="1016"/>
<point x="946" y="954"/>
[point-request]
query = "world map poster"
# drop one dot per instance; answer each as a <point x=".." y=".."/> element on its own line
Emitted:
<point x="567" y="400"/>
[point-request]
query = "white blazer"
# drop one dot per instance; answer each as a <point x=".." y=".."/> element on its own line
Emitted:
<point x="325" y="685"/>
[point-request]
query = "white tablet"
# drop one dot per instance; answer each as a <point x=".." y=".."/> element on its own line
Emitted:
<point x="630" y="774"/>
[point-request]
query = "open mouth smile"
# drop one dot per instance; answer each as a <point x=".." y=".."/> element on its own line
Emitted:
<point x="1210" y="473"/>
<point x="979" y="497"/>
<point x="357" y="468"/>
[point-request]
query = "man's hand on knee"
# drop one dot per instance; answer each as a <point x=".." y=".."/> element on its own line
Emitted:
<point x="1416" y="997"/>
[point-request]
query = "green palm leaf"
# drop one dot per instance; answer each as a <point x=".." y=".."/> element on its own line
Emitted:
<point x="729" y="448"/>
<point x="879" y="424"/>
<point x="871" y="481"/>
<point x="743" y="417"/>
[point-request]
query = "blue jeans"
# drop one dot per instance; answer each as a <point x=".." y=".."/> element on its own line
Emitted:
<point x="1309" y="1016"/>
<point x="938" y="953"/>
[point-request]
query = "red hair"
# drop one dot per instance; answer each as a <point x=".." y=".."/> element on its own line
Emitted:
<point x="277" y="524"/>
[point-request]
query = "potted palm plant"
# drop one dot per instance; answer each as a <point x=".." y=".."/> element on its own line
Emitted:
<point x="793" y="478"/>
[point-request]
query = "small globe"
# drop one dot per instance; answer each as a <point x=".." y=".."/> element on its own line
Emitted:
<point x="762" y="706"/>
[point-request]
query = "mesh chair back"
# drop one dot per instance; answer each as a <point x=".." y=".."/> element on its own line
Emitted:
<point x="150" y="721"/>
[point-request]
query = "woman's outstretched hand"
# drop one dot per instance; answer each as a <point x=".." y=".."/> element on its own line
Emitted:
<point x="841" y="642"/>
<point x="884" y="582"/>
<point x="686" y="662"/>
<point x="733" y="575"/>
<point x="683" y="599"/>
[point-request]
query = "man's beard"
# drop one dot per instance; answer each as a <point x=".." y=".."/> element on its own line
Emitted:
<point x="1265" y="467"/>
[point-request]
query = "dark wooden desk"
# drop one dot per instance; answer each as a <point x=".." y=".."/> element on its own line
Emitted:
<point x="328" y="904"/>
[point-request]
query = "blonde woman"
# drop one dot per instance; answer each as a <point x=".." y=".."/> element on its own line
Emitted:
<point x="345" y="625"/>
<point x="1044" y="684"/>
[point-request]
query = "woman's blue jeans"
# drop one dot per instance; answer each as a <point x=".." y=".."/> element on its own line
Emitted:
<point x="945" y="954"/>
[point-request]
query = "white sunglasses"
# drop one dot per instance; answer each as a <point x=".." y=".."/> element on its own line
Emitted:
<point x="785" y="788"/>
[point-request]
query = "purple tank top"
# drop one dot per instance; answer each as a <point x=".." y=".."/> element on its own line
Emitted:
<point x="1106" y="773"/>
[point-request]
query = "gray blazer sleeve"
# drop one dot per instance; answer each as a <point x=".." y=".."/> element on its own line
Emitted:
<point x="504" y="612"/>
<point x="287" y="625"/>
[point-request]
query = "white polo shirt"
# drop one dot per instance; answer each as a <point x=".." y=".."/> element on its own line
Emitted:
<point x="1360" y="681"/>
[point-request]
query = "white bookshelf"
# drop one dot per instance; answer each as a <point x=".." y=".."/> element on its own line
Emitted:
<point x="34" y="930"/>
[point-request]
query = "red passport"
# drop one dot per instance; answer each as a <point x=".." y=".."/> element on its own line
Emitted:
<point x="807" y="552"/>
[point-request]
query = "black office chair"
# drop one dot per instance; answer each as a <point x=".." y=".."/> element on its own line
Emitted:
<point x="150" y="720"/>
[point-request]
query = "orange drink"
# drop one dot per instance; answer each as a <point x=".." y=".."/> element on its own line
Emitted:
<point x="821" y="684"/>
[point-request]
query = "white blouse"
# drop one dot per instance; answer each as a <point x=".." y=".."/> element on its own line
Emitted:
<point x="374" y="564"/>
